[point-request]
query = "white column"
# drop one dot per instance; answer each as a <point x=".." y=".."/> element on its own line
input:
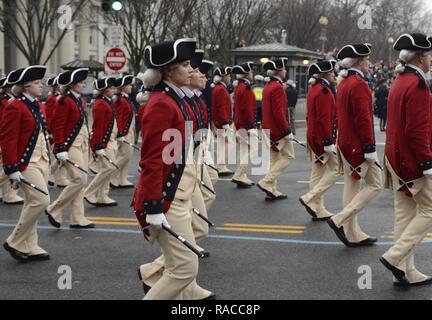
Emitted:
<point x="84" y="34"/>
<point x="20" y="61"/>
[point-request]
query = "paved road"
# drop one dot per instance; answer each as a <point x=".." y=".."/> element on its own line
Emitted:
<point x="259" y="250"/>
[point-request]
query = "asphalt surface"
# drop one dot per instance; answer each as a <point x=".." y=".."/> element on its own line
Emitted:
<point x="259" y="250"/>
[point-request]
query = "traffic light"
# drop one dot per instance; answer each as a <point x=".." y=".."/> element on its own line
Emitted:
<point x="112" y="5"/>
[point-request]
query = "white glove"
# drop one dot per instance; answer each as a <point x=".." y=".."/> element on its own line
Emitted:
<point x="372" y="157"/>
<point x="62" y="156"/>
<point x="101" y="152"/>
<point x="16" y="176"/>
<point x="428" y="174"/>
<point x="157" y="220"/>
<point x="121" y="139"/>
<point x="253" y="132"/>
<point x="290" y="137"/>
<point x="330" y="149"/>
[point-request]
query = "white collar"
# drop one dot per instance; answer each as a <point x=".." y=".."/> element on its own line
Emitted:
<point x="198" y="93"/>
<point x="326" y="81"/>
<point x="419" y="70"/>
<point x="125" y="95"/>
<point x="224" y="84"/>
<point x="11" y="96"/>
<point x="279" y="79"/>
<point x="29" y="97"/>
<point x="358" y="71"/>
<point x="188" y="92"/>
<point x="76" y="95"/>
<point x="109" y="99"/>
<point x="175" y="89"/>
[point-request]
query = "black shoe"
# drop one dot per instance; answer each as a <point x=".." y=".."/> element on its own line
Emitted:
<point x="268" y="193"/>
<point x="106" y="205"/>
<point x="205" y="254"/>
<point x="278" y="198"/>
<point x="94" y="172"/>
<point x="426" y="282"/>
<point x="321" y="219"/>
<point x="339" y="232"/>
<point x="101" y="205"/>
<point x="397" y="273"/>
<point x="51" y="184"/>
<point x="17" y="255"/>
<point x="365" y="243"/>
<point x="210" y="297"/>
<point x="112" y="186"/>
<point x="18" y="203"/>
<point x="60" y="186"/>
<point x="242" y="185"/>
<point x="225" y="174"/>
<point x="78" y="227"/>
<point x="129" y="186"/>
<point x="39" y="257"/>
<point x="309" y="209"/>
<point x="52" y="221"/>
<point x="146" y="288"/>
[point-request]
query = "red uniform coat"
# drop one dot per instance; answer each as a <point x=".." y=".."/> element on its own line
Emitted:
<point x="275" y="110"/>
<point x="103" y="123"/>
<point x="244" y="106"/>
<point x="221" y="106"/>
<point x="19" y="133"/>
<point x="204" y="110"/>
<point x="50" y="105"/>
<point x="356" y="135"/>
<point x="159" y="180"/>
<point x="124" y="115"/>
<point x="68" y="118"/>
<point x="408" y="146"/>
<point x="321" y="117"/>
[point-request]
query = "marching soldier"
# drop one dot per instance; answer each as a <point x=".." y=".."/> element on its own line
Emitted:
<point x="50" y="105"/>
<point x="25" y="144"/>
<point x="409" y="157"/>
<point x="103" y="143"/>
<point x="275" y="121"/>
<point x="71" y="135"/>
<point x="221" y="113"/>
<point x="207" y="158"/>
<point x="321" y="140"/>
<point x="9" y="195"/>
<point x="244" y="121"/>
<point x="164" y="192"/>
<point x="125" y="117"/>
<point x="356" y="139"/>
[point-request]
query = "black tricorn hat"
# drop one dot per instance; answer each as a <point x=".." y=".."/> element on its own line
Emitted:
<point x="124" y="81"/>
<point x="53" y="81"/>
<point x="28" y="74"/>
<point x="4" y="83"/>
<point x="322" y="67"/>
<point x="278" y="64"/>
<point x="167" y="53"/>
<point x="104" y="83"/>
<point x="205" y="66"/>
<point x="413" y="42"/>
<point x="243" y="68"/>
<point x="197" y="59"/>
<point x="73" y="76"/>
<point x="222" y="71"/>
<point x="355" y="51"/>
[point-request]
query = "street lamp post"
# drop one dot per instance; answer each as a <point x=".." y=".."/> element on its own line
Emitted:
<point x="391" y="41"/>
<point x="323" y="21"/>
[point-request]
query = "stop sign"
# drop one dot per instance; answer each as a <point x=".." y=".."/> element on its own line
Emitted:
<point x="116" y="59"/>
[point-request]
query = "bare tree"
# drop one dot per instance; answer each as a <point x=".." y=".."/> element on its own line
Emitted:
<point x="27" y="25"/>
